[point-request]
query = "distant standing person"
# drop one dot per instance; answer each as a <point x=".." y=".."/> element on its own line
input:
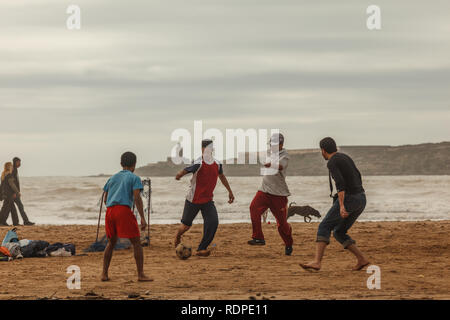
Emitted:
<point x="205" y="171"/>
<point x="9" y="192"/>
<point x="18" y="200"/>
<point x="120" y="222"/>
<point x="348" y="204"/>
<point x="273" y="195"/>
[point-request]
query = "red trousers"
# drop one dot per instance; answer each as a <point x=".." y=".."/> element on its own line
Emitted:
<point x="277" y="205"/>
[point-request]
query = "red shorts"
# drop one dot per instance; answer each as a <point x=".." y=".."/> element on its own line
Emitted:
<point x="120" y="222"/>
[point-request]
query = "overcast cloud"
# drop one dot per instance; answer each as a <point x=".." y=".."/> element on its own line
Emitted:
<point x="72" y="101"/>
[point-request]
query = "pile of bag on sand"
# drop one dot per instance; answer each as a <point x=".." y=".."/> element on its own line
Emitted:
<point x="13" y="248"/>
<point x="100" y="245"/>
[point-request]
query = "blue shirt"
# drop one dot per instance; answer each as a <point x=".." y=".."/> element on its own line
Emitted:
<point x="120" y="188"/>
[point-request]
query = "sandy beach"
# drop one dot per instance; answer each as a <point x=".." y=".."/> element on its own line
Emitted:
<point x="414" y="258"/>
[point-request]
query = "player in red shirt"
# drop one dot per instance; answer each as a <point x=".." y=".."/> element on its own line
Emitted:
<point x="205" y="171"/>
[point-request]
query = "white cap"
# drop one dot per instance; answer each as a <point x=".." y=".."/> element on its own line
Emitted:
<point x="276" y="139"/>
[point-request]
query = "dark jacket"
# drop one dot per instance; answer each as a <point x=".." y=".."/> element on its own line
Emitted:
<point x="15" y="174"/>
<point x="8" y="186"/>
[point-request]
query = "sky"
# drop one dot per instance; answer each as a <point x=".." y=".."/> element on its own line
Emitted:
<point x="71" y="101"/>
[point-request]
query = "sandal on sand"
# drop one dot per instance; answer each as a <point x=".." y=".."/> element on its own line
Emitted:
<point x="308" y="268"/>
<point x="361" y="267"/>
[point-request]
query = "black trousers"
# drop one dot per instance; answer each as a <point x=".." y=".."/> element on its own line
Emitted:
<point x="210" y="220"/>
<point x="19" y="204"/>
<point x="8" y="205"/>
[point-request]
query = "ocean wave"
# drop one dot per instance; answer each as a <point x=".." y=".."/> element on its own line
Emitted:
<point x="71" y="216"/>
<point x="77" y="208"/>
<point x="75" y="189"/>
<point x="73" y="200"/>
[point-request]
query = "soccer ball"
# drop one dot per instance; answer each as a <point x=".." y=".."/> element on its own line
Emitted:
<point x="183" y="252"/>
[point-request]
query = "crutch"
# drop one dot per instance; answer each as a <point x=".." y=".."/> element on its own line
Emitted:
<point x="99" y="215"/>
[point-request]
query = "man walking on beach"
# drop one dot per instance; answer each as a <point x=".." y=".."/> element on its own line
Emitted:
<point x="205" y="171"/>
<point x="120" y="222"/>
<point x="348" y="204"/>
<point x="18" y="201"/>
<point x="273" y="195"/>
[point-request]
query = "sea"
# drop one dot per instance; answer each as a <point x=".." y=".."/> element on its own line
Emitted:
<point x="76" y="200"/>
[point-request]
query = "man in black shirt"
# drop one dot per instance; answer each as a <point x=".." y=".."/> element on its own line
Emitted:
<point x="348" y="204"/>
<point x="17" y="200"/>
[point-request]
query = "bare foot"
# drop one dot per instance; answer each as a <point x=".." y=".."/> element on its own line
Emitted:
<point x="144" y="278"/>
<point x="177" y="240"/>
<point x="105" y="277"/>
<point x="203" y="253"/>
<point x="311" y="266"/>
<point x="360" y="265"/>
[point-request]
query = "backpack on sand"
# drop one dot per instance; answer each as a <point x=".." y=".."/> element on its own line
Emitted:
<point x="11" y="236"/>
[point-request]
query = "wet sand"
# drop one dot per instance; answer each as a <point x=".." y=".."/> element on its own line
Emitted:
<point x="414" y="258"/>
